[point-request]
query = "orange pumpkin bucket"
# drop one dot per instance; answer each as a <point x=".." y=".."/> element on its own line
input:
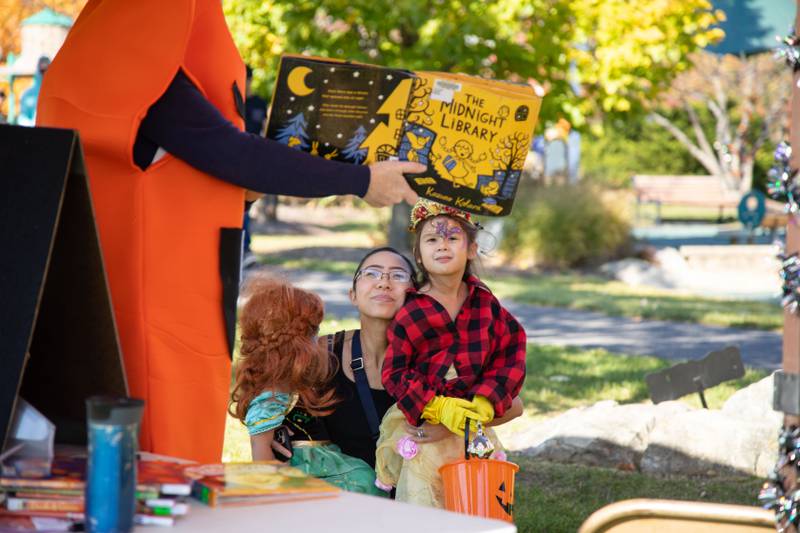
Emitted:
<point x="479" y="487"/>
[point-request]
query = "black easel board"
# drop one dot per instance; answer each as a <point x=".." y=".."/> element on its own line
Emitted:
<point x="58" y="339"/>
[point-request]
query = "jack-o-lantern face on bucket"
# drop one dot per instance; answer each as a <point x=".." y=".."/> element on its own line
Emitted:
<point x="508" y="507"/>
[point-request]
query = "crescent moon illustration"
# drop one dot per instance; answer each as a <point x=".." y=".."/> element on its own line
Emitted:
<point x="296" y="81"/>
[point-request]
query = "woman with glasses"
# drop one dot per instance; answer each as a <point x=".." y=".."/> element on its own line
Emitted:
<point x="380" y="283"/>
<point x="379" y="287"/>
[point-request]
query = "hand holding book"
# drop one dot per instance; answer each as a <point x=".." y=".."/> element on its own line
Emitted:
<point x="388" y="185"/>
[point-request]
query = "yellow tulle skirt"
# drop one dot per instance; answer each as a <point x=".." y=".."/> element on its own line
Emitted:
<point x="417" y="479"/>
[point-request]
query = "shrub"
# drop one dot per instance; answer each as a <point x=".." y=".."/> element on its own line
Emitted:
<point x="565" y="226"/>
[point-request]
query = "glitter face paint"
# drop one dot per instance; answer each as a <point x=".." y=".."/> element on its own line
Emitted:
<point x="444" y="231"/>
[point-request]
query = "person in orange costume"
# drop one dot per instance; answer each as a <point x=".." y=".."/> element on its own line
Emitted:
<point x="169" y="231"/>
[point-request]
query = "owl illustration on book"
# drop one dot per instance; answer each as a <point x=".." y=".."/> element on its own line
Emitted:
<point x="458" y="163"/>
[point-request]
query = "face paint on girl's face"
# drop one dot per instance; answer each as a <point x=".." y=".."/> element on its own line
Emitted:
<point x="444" y="230"/>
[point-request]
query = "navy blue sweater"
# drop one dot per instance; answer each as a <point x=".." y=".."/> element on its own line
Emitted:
<point x="188" y="126"/>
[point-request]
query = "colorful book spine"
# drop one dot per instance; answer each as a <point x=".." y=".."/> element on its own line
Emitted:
<point x="44" y="504"/>
<point x="164" y="507"/>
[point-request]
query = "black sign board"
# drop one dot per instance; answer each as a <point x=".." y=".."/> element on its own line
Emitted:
<point x="58" y="339"/>
<point x="695" y="376"/>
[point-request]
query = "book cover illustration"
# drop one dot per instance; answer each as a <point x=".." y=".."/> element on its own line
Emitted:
<point x="256" y="482"/>
<point x="166" y="476"/>
<point x="348" y="112"/>
<point x="473" y="135"/>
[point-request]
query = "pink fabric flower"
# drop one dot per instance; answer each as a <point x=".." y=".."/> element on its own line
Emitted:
<point x="407" y="448"/>
<point x="500" y="455"/>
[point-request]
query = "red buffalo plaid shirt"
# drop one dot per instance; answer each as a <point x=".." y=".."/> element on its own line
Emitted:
<point x="485" y="344"/>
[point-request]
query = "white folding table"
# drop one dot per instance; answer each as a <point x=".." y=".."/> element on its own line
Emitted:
<point x="347" y="513"/>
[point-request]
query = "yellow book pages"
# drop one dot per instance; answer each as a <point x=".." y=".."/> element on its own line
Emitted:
<point x="473" y="135"/>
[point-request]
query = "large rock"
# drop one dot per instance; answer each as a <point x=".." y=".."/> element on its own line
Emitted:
<point x="710" y="442"/>
<point x="605" y="434"/>
<point x="668" y="438"/>
<point x="637" y="272"/>
<point x="719" y="271"/>
<point x="754" y="402"/>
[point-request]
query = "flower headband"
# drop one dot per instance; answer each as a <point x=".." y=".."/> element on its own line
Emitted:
<point x="425" y="209"/>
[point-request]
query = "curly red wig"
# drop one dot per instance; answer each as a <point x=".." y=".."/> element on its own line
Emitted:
<point x="278" y="325"/>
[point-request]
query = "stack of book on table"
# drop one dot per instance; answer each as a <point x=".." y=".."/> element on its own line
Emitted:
<point x="57" y="501"/>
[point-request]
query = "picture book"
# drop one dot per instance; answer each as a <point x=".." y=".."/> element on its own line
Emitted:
<point x="472" y="134"/>
<point x="338" y="110"/>
<point x="253" y="483"/>
<point x="166" y="476"/>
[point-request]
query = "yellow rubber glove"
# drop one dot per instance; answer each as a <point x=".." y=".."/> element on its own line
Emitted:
<point x="484" y="409"/>
<point x="450" y="412"/>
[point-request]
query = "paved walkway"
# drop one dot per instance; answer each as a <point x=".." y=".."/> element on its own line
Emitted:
<point x="584" y="329"/>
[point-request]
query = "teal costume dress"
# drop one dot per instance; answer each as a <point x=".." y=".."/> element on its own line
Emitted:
<point x="318" y="458"/>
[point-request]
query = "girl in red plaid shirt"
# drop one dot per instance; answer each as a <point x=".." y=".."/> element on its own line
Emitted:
<point x="455" y="356"/>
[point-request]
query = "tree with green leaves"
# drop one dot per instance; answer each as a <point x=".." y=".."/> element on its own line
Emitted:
<point x="734" y="107"/>
<point x="595" y="58"/>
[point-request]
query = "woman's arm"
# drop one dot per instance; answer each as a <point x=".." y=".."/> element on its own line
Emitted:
<point x="261" y="446"/>
<point x="185" y="124"/>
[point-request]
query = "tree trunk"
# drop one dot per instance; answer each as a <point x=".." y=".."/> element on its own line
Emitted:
<point x="399" y="237"/>
<point x="266" y="209"/>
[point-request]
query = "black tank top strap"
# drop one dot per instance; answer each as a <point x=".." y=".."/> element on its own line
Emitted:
<point x="336" y="344"/>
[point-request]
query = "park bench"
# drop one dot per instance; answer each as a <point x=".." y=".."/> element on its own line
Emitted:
<point x="669" y="516"/>
<point x="699" y="191"/>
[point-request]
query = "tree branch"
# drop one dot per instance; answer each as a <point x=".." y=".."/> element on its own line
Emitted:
<point x="710" y="163"/>
<point x="699" y="134"/>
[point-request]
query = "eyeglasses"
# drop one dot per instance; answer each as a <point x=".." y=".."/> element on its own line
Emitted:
<point x="373" y="274"/>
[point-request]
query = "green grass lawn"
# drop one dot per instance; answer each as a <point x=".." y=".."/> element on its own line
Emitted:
<point x="593" y="293"/>
<point x="560" y="378"/>
<point x="615" y="298"/>
<point x="555" y="498"/>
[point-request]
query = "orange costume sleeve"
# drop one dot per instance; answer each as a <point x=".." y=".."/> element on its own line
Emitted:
<point x="159" y="228"/>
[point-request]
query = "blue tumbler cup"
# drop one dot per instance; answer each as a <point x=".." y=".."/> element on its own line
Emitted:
<point x="113" y="425"/>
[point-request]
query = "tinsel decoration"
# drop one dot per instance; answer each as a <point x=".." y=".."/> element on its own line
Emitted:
<point x="790" y="276"/>
<point x="782" y="182"/>
<point x="480" y="446"/>
<point x="789" y="50"/>
<point x="772" y="496"/>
